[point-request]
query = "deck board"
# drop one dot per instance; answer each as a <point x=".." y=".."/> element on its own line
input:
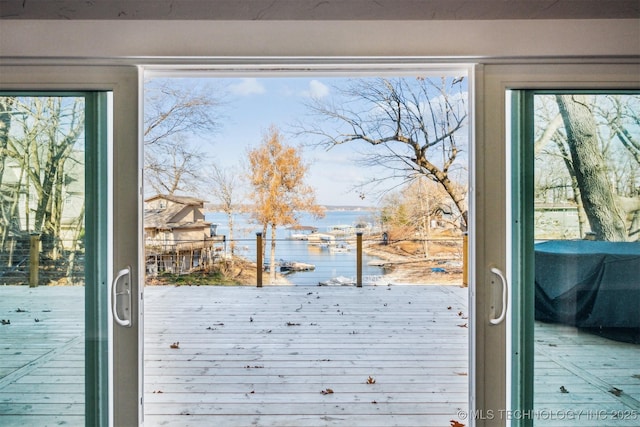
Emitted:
<point x="262" y="357"/>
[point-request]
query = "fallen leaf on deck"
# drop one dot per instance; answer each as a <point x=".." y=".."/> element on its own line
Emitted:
<point x="374" y="402"/>
<point x="370" y="380"/>
<point x="175" y="345"/>
<point x="36" y="320"/>
<point x="462" y="374"/>
<point x="327" y="391"/>
<point x="615" y="391"/>
<point x="5" y="322"/>
<point x="293" y="324"/>
<point x="563" y="389"/>
<point x="455" y="423"/>
<point x="449" y="308"/>
<point x="464" y="325"/>
<point x="158" y="391"/>
<point x="19" y="310"/>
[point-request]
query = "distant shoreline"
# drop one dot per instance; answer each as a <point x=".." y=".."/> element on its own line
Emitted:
<point x="212" y="208"/>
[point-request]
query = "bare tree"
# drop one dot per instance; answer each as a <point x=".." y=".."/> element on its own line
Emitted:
<point x="586" y="153"/>
<point x="174" y="169"/>
<point x="173" y="113"/>
<point x="43" y="150"/>
<point x="225" y="184"/>
<point x="7" y="193"/>
<point x="277" y="173"/>
<point x="605" y="217"/>
<point x="415" y="126"/>
<point x="171" y="109"/>
<point x="414" y="207"/>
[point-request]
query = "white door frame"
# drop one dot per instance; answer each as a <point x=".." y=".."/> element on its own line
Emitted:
<point x="491" y="347"/>
<point x="494" y="348"/>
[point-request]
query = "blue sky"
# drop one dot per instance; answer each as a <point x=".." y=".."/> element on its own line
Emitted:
<point x="254" y="104"/>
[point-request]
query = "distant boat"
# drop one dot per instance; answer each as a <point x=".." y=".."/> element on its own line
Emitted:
<point x="301" y="232"/>
<point x="339" y="248"/>
<point x="338" y="281"/>
<point x="346" y="230"/>
<point x="290" y="266"/>
<point x="321" y="239"/>
<point x="341" y="230"/>
<point x="296" y="266"/>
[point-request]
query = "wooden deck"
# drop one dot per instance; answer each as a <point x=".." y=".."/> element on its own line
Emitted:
<point x="264" y="357"/>
<point x="42" y="356"/>
<point x="600" y="379"/>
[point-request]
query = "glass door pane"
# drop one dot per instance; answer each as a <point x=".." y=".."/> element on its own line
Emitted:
<point x="48" y="354"/>
<point x="586" y="224"/>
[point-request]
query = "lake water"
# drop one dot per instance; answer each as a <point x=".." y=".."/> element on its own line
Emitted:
<point x="328" y="264"/>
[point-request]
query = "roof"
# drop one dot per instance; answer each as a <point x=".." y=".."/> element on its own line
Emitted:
<point x="184" y="200"/>
<point x="163" y="219"/>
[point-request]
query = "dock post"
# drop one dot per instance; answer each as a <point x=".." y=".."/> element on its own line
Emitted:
<point x="359" y="259"/>
<point x="259" y="260"/>
<point x="34" y="259"/>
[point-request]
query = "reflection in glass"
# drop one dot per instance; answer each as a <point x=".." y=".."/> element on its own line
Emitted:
<point x="587" y="258"/>
<point x="42" y="228"/>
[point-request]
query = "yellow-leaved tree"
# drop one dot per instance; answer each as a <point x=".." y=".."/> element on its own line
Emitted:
<point x="279" y="192"/>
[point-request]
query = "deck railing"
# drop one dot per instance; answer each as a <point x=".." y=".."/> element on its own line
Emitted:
<point x="315" y="260"/>
<point x="321" y="260"/>
<point x="35" y="260"/>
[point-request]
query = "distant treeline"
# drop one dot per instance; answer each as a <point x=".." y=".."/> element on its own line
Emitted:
<point x="213" y="207"/>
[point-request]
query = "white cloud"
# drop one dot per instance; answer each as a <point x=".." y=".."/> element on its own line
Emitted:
<point x="317" y="90"/>
<point x="247" y="87"/>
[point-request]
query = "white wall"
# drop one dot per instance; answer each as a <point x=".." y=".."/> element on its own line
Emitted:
<point x="507" y="39"/>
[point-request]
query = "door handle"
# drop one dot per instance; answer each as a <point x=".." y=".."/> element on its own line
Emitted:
<point x="119" y="294"/>
<point x="503" y="314"/>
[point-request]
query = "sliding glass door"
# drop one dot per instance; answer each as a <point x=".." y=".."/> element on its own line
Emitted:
<point x="578" y="199"/>
<point x="65" y="262"/>
<point x="536" y="262"/>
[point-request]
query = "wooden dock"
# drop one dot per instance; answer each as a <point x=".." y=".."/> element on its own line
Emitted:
<point x="300" y="356"/>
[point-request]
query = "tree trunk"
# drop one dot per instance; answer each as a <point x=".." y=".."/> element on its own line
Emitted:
<point x="604" y="216"/>
<point x="232" y="243"/>
<point x="6" y="103"/>
<point x="272" y="261"/>
<point x="582" y="220"/>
